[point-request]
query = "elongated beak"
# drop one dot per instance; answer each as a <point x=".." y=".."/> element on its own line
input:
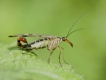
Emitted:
<point x="69" y="42"/>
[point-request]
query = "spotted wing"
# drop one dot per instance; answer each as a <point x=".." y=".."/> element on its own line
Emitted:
<point x="32" y="35"/>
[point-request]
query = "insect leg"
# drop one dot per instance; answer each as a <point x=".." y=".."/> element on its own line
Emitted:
<point x="27" y="51"/>
<point x="50" y="56"/>
<point x="59" y="59"/>
<point x="62" y="53"/>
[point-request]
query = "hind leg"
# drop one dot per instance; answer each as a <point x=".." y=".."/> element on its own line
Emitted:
<point x="25" y="51"/>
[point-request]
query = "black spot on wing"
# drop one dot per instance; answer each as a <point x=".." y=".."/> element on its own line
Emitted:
<point x="10" y="36"/>
<point x="24" y="35"/>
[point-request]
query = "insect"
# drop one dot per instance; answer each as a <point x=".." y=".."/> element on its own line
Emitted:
<point x="49" y="42"/>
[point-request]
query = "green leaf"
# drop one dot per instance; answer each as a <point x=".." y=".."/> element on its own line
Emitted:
<point x="17" y="66"/>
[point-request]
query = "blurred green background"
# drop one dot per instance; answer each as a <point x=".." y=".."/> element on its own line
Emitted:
<point x="55" y="17"/>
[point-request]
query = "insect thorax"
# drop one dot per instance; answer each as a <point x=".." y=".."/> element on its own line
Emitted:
<point x="54" y="43"/>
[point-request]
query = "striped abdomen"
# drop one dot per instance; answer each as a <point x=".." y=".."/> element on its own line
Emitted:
<point x="50" y="43"/>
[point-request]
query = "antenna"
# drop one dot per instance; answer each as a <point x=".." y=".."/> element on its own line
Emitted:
<point x="74" y="24"/>
<point x="74" y="31"/>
